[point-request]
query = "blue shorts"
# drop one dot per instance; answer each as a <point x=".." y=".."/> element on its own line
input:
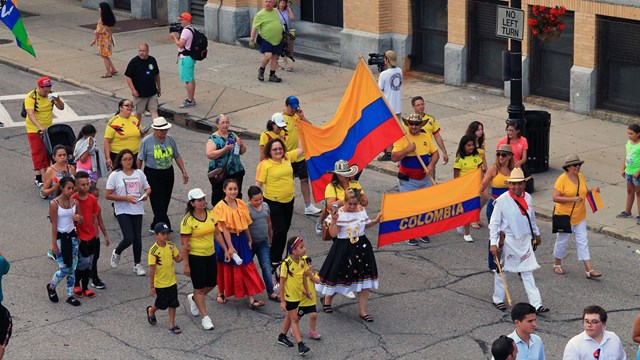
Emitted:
<point x="631" y="180"/>
<point x="266" y="47"/>
<point x="186" y="65"/>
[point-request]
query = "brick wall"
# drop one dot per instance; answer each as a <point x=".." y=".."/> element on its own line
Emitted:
<point x="457" y="20"/>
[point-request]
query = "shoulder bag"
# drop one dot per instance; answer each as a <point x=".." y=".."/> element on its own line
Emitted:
<point x="534" y="242"/>
<point x="562" y="223"/>
<point x="218" y="175"/>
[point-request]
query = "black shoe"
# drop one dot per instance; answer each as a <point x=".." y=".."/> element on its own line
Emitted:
<point x="385" y="157"/>
<point x="73" y="301"/>
<point x="52" y="294"/>
<point x="261" y="74"/>
<point x="302" y="348"/>
<point x="412" y="242"/>
<point x="274" y="78"/>
<point x="425" y="239"/>
<point x="98" y="284"/>
<point x="284" y="340"/>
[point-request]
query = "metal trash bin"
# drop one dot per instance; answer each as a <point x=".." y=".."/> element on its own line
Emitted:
<point x="537" y="131"/>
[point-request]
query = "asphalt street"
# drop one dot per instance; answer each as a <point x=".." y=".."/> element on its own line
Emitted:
<point x="434" y="301"/>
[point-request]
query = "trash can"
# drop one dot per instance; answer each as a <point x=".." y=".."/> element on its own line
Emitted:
<point x="537" y="133"/>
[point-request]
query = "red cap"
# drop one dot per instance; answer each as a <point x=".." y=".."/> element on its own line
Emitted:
<point x="185" y="16"/>
<point x="44" y="82"/>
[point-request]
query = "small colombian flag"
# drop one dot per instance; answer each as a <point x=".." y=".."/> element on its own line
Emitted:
<point x="595" y="201"/>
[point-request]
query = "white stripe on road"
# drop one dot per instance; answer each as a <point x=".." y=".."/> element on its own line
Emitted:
<point x="58" y="120"/>
<point x="22" y="96"/>
<point x="5" y="118"/>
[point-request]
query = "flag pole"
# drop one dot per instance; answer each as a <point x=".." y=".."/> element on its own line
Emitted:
<point x="404" y="131"/>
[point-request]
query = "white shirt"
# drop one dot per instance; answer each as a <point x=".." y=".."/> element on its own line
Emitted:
<point x="390" y="82"/>
<point x="583" y="347"/>
<point x="125" y="185"/>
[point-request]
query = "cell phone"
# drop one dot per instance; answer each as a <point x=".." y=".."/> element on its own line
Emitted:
<point x="144" y="196"/>
<point x="146" y="128"/>
<point x="335" y="206"/>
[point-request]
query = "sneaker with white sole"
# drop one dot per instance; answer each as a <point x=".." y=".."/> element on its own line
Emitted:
<point x="187" y="104"/>
<point x="192" y="305"/>
<point x="350" y="295"/>
<point x="468" y="238"/>
<point x="318" y="228"/>
<point x="137" y="268"/>
<point x="302" y="348"/>
<point x="314" y="335"/>
<point x="206" y="323"/>
<point x="52" y="255"/>
<point x="412" y="242"/>
<point x="312" y="210"/>
<point x="115" y="259"/>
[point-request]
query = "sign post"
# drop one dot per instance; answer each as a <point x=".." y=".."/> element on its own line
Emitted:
<point x="510" y="23"/>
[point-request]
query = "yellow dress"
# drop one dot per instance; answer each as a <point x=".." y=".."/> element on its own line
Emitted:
<point x="104" y="39"/>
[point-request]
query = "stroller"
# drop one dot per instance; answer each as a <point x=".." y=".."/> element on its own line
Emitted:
<point x="60" y="134"/>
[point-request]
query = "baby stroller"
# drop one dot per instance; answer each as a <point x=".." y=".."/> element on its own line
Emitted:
<point x="60" y="134"/>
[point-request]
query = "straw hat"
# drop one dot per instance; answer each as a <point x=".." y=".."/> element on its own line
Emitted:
<point x="505" y="148"/>
<point x="571" y="160"/>
<point x="415" y="117"/>
<point x="517" y="175"/>
<point x="342" y="168"/>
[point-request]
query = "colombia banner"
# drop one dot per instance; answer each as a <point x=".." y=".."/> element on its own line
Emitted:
<point x="11" y="17"/>
<point x="361" y="128"/>
<point x="429" y="211"/>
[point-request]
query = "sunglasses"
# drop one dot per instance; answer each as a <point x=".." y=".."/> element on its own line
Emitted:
<point x="414" y="123"/>
<point x="502" y="154"/>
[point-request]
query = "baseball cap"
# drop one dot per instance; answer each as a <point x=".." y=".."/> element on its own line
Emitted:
<point x="185" y="16"/>
<point x="293" y="102"/>
<point x="195" y="194"/>
<point x="161" y="228"/>
<point x="278" y="119"/>
<point x="44" y="82"/>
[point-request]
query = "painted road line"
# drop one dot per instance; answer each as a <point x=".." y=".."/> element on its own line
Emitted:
<point x="5" y="118"/>
<point x="68" y="120"/>
<point x="22" y="96"/>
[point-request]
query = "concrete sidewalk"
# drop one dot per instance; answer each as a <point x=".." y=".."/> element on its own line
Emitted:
<point x="227" y="83"/>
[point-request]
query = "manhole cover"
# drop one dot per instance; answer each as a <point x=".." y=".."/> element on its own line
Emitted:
<point x="133" y="24"/>
<point x="5" y="41"/>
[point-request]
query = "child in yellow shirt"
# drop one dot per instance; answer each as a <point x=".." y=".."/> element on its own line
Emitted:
<point x="308" y="302"/>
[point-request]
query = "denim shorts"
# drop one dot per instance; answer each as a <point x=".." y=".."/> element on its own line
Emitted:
<point x="631" y="180"/>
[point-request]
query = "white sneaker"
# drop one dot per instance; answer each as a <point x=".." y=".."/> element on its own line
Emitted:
<point x="318" y="228"/>
<point x="194" y="308"/>
<point x="350" y="295"/>
<point x="206" y="323"/>
<point x="312" y="210"/>
<point x="468" y="238"/>
<point x="115" y="259"/>
<point x="137" y="268"/>
<point x="460" y="229"/>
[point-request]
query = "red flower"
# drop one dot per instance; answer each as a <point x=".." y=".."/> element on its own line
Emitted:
<point x="561" y="27"/>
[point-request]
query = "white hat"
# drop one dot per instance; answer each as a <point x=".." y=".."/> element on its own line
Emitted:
<point x="278" y="119"/>
<point x="517" y="175"/>
<point x="195" y="194"/>
<point x="160" y="123"/>
<point x="342" y="168"/>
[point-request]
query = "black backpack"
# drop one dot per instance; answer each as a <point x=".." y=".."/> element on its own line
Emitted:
<point x="199" y="45"/>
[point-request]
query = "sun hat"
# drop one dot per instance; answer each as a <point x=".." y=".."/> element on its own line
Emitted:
<point x="278" y="119"/>
<point x="505" y="148"/>
<point x="571" y="160"/>
<point x="342" y="168"/>
<point x="160" y="123"/>
<point x="415" y="117"/>
<point x="517" y="175"/>
<point x="195" y="194"/>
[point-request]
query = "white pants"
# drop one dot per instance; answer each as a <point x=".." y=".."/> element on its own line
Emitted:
<point x="529" y="286"/>
<point x="582" y="243"/>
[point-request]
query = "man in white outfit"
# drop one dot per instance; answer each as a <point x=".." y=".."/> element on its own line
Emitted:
<point x="514" y="216"/>
<point x="390" y="82"/>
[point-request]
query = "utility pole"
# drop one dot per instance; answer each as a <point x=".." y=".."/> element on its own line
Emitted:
<point x="516" y="108"/>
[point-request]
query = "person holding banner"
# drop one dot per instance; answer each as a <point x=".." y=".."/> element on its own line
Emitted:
<point x="514" y="216"/>
<point x="569" y="194"/>
<point x="411" y="173"/>
<point x="350" y="265"/>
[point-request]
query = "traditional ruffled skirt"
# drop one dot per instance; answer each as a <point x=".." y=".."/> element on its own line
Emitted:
<point x="238" y="280"/>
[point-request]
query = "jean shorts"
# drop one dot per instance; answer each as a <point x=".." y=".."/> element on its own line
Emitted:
<point x="631" y="180"/>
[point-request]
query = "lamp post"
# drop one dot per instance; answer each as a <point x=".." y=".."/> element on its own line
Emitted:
<point x="516" y="108"/>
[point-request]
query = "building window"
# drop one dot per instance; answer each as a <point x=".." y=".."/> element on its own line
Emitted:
<point x="485" y="48"/>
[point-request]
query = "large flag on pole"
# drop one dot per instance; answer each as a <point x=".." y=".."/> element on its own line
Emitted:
<point x="11" y="17"/>
<point x="418" y="213"/>
<point x="361" y="128"/>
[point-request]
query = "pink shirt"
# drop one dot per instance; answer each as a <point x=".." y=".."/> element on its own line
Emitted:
<point x="517" y="147"/>
<point x="186" y="35"/>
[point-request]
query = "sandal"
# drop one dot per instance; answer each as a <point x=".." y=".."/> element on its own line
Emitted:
<point x="475" y="225"/>
<point x="542" y="309"/>
<point x="274" y="297"/>
<point x="175" y="329"/>
<point x="500" y="306"/>
<point x="221" y="299"/>
<point x="558" y="270"/>
<point x="290" y="68"/>
<point x="77" y="291"/>
<point x="151" y="318"/>
<point x="105" y="76"/>
<point x="326" y="307"/>
<point x="89" y="293"/>
<point x="592" y="274"/>
<point x="367" y="318"/>
<point x="256" y="304"/>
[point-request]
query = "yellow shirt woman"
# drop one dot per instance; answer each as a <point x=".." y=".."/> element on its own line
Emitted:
<point x="124" y="133"/>
<point x="277" y="177"/>
<point x="201" y="241"/>
<point x="568" y="188"/>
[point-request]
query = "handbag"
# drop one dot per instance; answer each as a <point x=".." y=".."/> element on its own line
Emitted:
<point x="562" y="223"/>
<point x="219" y="175"/>
<point x="534" y="242"/>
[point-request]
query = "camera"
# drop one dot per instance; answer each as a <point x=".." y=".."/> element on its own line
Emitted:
<point x="175" y="27"/>
<point x="377" y="59"/>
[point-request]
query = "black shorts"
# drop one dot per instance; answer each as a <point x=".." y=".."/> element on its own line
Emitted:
<point x="167" y="297"/>
<point x="204" y="271"/>
<point x="6" y="325"/>
<point x="292" y="305"/>
<point x="300" y="169"/>
<point x="302" y="310"/>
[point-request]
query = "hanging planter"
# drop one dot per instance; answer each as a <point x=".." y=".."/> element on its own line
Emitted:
<point x="546" y="22"/>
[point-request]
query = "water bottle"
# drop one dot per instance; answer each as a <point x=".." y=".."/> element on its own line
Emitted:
<point x="236" y="149"/>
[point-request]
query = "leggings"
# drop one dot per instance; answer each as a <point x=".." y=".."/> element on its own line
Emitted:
<point x="161" y="181"/>
<point x="131" y="226"/>
<point x="96" y="255"/>
<point x="86" y="253"/>
<point x="63" y="269"/>
<point x="281" y="215"/>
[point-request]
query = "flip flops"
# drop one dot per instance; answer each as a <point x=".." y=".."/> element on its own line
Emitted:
<point x="558" y="269"/>
<point x="274" y="297"/>
<point x="221" y="299"/>
<point x="89" y="293"/>
<point x="367" y="318"/>
<point x="175" y="329"/>
<point x="500" y="306"/>
<point x="542" y="309"/>
<point x="256" y="304"/>
<point x="151" y="318"/>
<point x="326" y="307"/>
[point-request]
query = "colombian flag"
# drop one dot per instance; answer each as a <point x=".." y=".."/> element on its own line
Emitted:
<point x="595" y="201"/>
<point x="362" y="127"/>
<point x="11" y="17"/>
<point x="429" y="211"/>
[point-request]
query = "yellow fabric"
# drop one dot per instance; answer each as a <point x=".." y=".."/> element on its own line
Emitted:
<point x="277" y="178"/>
<point x="431" y="127"/>
<point x="43" y="113"/>
<point x="312" y="291"/>
<point x="292" y="273"/>
<point x="498" y="182"/>
<point x="291" y="139"/>
<point x="124" y="133"/>
<point x="162" y="258"/>
<point x="236" y="220"/>
<point x="338" y="192"/>
<point x="268" y="135"/>
<point x="568" y="189"/>
<point x="424" y="144"/>
<point x="201" y="232"/>
<point x="467" y="164"/>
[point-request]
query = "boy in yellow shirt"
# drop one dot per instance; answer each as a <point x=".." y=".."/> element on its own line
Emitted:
<point x="308" y="302"/>
<point x="164" y="285"/>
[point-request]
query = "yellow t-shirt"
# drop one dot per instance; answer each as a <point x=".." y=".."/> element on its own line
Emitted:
<point x="293" y="271"/>
<point x="467" y="164"/>
<point x="569" y="189"/>
<point x="268" y="135"/>
<point x="431" y="127"/>
<point x="338" y="192"/>
<point x="201" y="241"/>
<point x="277" y="177"/>
<point x="124" y="133"/>
<point x="162" y="258"/>
<point x="312" y="290"/>
<point x="43" y="110"/>
<point x="291" y="140"/>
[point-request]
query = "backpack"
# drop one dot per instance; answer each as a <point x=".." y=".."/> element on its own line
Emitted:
<point x="199" y="45"/>
<point x="23" y="113"/>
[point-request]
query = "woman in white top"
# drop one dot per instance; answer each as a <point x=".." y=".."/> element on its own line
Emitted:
<point x="127" y="187"/>
<point x="286" y="17"/>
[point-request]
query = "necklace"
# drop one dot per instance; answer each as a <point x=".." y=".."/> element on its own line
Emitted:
<point x="350" y="234"/>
